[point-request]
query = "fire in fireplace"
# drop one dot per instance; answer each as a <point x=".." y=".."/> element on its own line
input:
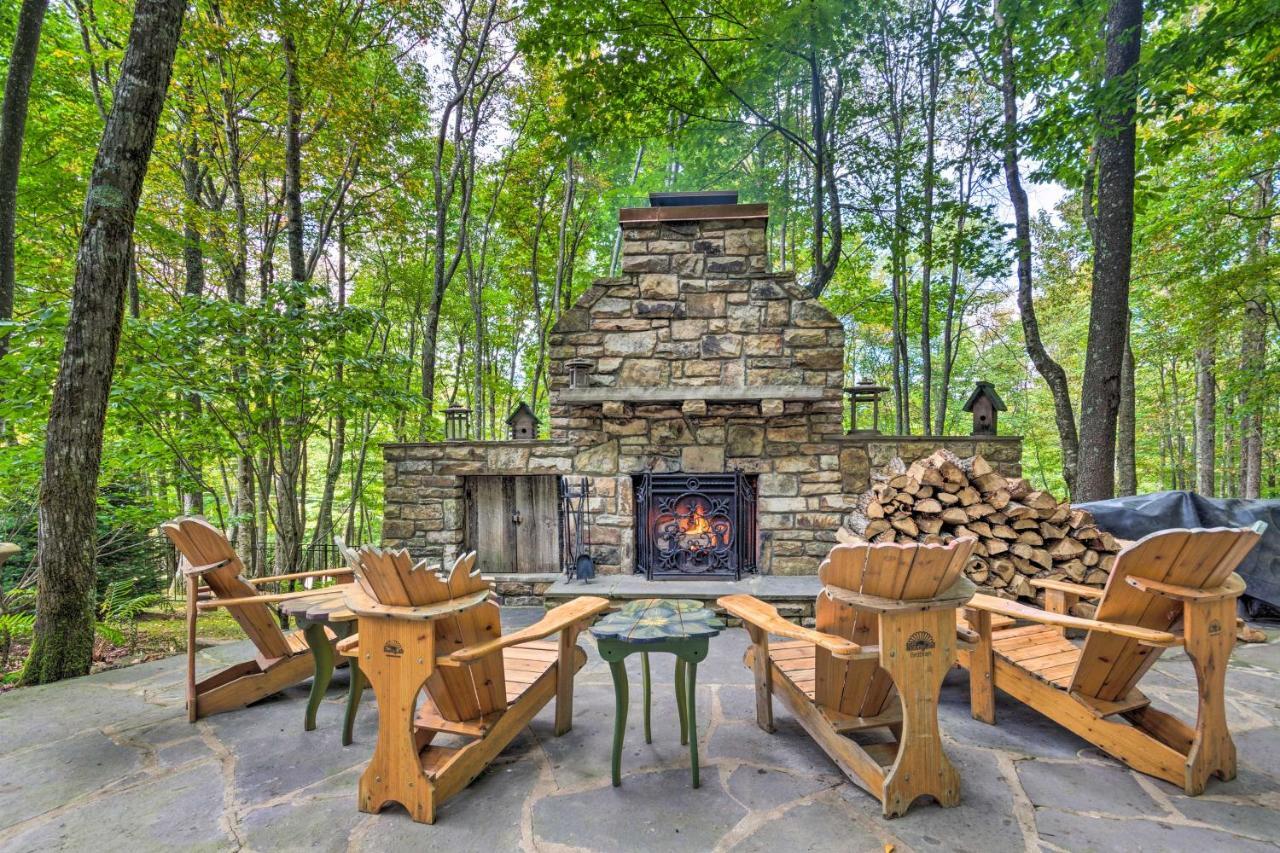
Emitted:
<point x="695" y="526"/>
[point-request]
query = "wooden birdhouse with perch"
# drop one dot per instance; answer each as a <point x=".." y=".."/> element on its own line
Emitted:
<point x="984" y="403"/>
<point x="523" y="423"/>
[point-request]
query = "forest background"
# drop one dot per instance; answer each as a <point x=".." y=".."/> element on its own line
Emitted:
<point x="357" y="214"/>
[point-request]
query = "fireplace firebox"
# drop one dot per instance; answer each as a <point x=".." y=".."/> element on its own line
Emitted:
<point x="695" y="526"/>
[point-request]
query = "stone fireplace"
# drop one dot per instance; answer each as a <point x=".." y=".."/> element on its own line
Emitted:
<point x="705" y="414"/>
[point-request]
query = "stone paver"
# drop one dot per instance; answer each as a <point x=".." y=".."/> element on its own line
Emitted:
<point x="110" y="763"/>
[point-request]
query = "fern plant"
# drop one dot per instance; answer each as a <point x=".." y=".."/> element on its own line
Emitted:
<point x="122" y="605"/>
<point x="13" y="626"/>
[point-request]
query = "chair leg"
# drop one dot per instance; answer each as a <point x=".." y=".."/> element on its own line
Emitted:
<point x="1209" y="628"/>
<point x="762" y="675"/>
<point x="982" y="687"/>
<point x="566" y="668"/>
<point x="917" y="648"/>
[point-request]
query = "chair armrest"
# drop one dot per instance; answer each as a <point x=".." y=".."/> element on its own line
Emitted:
<point x="1233" y="587"/>
<point x="1068" y="587"/>
<point x="564" y="616"/>
<point x="293" y="576"/>
<point x="991" y="604"/>
<point x="750" y="609"/>
<point x="187" y="569"/>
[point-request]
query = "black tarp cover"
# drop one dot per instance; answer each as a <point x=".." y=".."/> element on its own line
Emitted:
<point x="1136" y="516"/>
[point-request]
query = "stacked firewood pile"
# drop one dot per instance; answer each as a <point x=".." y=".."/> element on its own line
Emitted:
<point x="1022" y="532"/>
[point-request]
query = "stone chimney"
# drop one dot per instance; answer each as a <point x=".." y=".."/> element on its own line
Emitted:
<point x="702" y="234"/>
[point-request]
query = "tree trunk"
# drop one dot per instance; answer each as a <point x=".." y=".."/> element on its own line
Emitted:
<point x="1253" y="358"/>
<point x="289" y="523"/>
<point x="63" y="644"/>
<point x="1126" y="426"/>
<point x="337" y="446"/>
<point x="193" y="289"/>
<point x="926" y="243"/>
<point x="1113" y="255"/>
<point x="1052" y="373"/>
<point x="1206" y="416"/>
<point x="13" y="123"/>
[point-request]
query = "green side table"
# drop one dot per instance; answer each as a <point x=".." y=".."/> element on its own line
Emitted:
<point x="681" y="627"/>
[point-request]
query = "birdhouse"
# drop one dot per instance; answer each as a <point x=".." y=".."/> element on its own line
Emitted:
<point x="984" y="403"/>
<point x="523" y="423"/>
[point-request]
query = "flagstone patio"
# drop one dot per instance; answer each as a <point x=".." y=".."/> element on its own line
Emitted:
<point x="108" y="762"/>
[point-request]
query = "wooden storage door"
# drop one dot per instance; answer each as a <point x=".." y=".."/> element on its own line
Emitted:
<point x="513" y="522"/>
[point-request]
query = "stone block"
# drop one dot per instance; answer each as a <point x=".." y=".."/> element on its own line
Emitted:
<point x="763" y="344"/>
<point x="646" y="263"/>
<point x="612" y="306"/>
<point x="771" y="408"/>
<point x="825" y="358"/>
<point x="633" y="343"/>
<point x="769" y="290"/>
<point x="694" y="408"/>
<point x="573" y="320"/>
<point x="743" y="318"/>
<point x="805" y="337"/>
<point x="733" y="373"/>
<point x="702" y="459"/>
<point x="634" y="426"/>
<point x="601" y="459"/>
<point x="686" y="330"/>
<point x="659" y="286"/>
<point x="691" y="264"/>
<point x="645" y="372"/>
<point x="669" y="247"/>
<point x="655" y="309"/>
<point x="714" y="346"/>
<point x="726" y="264"/>
<point x="744" y="440"/>
<point x="777" y="314"/>
<point x="744" y="241"/>
<point x="809" y="313"/>
<point x="705" y="304"/>
<point x="779" y="485"/>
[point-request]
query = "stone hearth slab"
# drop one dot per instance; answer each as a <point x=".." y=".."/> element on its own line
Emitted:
<point x="767" y="588"/>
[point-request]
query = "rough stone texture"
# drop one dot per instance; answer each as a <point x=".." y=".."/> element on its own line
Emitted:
<point x="119" y="768"/>
<point x="694" y="309"/>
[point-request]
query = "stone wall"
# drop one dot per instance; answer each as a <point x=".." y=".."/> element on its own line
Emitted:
<point x="701" y="361"/>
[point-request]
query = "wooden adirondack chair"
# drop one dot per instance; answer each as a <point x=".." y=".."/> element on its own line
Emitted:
<point x="420" y="629"/>
<point x="1163" y="578"/>
<point x="283" y="659"/>
<point x="885" y="638"/>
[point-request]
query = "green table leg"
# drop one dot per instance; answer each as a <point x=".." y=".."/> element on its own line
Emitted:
<point x="691" y="712"/>
<point x="322" y="651"/>
<point x="644" y="667"/>
<point x="618" y="670"/>
<point x="680" y="702"/>
<point x="354" y="693"/>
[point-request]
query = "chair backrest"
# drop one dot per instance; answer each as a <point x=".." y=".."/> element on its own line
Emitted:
<point x="1110" y="666"/>
<point x="202" y="544"/>
<point x="390" y="577"/>
<point x="906" y="571"/>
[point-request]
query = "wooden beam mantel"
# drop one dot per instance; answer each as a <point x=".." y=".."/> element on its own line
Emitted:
<point x="710" y="393"/>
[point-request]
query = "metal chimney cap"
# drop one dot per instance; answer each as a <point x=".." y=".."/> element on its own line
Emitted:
<point x="693" y="198"/>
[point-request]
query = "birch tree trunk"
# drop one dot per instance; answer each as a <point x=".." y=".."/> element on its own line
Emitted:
<point x="1113" y="254"/>
<point x="63" y="643"/>
<point x="1127" y="426"/>
<point x="1206" y="416"/>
